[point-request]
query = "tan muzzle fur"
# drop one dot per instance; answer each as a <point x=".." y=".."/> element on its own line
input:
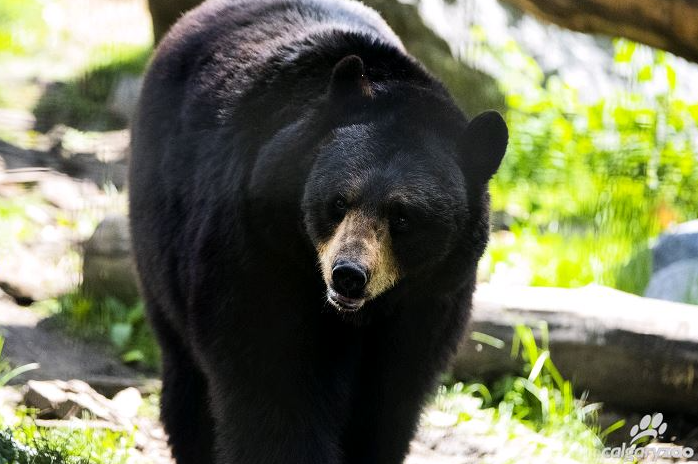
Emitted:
<point x="364" y="241"/>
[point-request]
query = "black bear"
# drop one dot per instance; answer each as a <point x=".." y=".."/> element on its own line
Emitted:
<point x="308" y="207"/>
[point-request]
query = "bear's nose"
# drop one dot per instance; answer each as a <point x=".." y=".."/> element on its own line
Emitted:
<point x="349" y="279"/>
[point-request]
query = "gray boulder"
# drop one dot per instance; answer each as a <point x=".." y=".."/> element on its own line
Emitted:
<point x="108" y="266"/>
<point x="676" y="282"/>
<point x="679" y="243"/>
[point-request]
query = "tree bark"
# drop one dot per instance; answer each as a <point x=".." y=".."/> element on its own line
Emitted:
<point x="671" y="25"/>
<point x="165" y="13"/>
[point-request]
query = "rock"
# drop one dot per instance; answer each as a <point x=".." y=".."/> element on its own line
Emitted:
<point x="111" y="237"/>
<point x="66" y="193"/>
<point x="35" y="273"/>
<point x="676" y="282"/>
<point x="423" y="455"/>
<point x="110" y="386"/>
<point x="675" y="265"/>
<point x="46" y="396"/>
<point x="127" y="402"/>
<point x="124" y="96"/>
<point x="678" y="243"/>
<point x="627" y="351"/>
<point x="108" y="267"/>
<point x="59" y="399"/>
<point x="75" y="405"/>
<point x="10" y="397"/>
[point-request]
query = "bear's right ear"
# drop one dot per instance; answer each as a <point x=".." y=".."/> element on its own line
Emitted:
<point x="349" y="80"/>
<point x="483" y="145"/>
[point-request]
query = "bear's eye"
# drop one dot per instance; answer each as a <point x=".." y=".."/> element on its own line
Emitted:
<point x="399" y="222"/>
<point x="338" y="208"/>
<point x="340" y="204"/>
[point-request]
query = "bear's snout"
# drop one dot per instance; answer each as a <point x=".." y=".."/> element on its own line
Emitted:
<point x="357" y="261"/>
<point x="347" y="288"/>
<point x="349" y="279"/>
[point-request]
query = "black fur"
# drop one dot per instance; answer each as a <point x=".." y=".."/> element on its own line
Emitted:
<point x="248" y="128"/>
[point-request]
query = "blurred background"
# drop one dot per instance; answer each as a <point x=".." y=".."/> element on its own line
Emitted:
<point x="588" y="287"/>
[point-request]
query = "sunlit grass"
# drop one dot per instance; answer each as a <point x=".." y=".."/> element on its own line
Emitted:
<point x="124" y="327"/>
<point x="27" y="443"/>
<point x="22" y="441"/>
<point x="537" y="409"/>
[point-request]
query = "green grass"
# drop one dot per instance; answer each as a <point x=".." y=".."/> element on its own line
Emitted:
<point x="26" y="443"/>
<point x="29" y="444"/>
<point x="538" y="407"/>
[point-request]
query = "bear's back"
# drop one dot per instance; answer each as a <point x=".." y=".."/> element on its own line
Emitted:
<point x="237" y="64"/>
<point x="225" y="47"/>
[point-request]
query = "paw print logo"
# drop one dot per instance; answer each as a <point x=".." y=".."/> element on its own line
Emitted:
<point x="650" y="426"/>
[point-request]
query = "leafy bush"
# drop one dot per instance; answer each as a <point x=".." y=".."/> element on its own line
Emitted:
<point x="30" y="444"/>
<point x="41" y="451"/>
<point x="587" y="186"/>
<point x="82" y="102"/>
<point x="22" y="29"/>
<point x="124" y="326"/>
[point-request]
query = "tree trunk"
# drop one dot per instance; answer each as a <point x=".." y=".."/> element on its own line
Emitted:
<point x="671" y="25"/>
<point x="165" y="13"/>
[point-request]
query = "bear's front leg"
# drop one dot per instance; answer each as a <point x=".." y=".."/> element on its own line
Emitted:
<point x="275" y="393"/>
<point x="401" y="364"/>
<point x="289" y="419"/>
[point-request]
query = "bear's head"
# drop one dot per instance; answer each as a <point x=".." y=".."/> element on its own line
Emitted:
<point x="398" y="190"/>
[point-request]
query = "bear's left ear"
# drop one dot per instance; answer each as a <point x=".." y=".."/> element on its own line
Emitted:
<point x="349" y="80"/>
<point x="483" y="145"/>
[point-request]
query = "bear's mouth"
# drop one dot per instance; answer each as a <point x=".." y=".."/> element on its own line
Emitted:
<point x="344" y="303"/>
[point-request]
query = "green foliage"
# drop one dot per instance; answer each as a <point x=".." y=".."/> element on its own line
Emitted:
<point x="26" y="443"/>
<point x="539" y="398"/>
<point x="41" y="451"/>
<point x="82" y="102"/>
<point x="30" y="444"/>
<point x="125" y="327"/>
<point x="588" y="185"/>
<point x="22" y="28"/>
